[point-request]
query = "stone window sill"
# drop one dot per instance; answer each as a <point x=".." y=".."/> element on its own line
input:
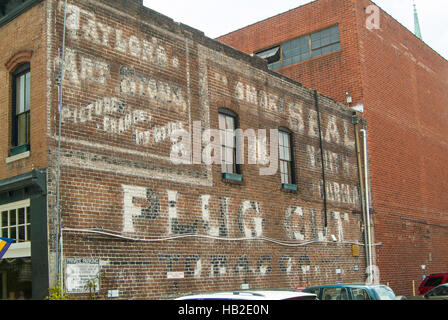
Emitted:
<point x="19" y="156"/>
<point x="232" y="177"/>
<point x="289" y="187"/>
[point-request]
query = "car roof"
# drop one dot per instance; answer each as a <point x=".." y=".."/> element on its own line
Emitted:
<point x="248" y="295"/>
<point x="348" y="285"/>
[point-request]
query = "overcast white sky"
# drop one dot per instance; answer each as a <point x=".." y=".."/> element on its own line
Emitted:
<point x="218" y="17"/>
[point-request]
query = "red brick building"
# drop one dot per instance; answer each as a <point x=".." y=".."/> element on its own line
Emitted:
<point x="96" y="196"/>
<point x="347" y="47"/>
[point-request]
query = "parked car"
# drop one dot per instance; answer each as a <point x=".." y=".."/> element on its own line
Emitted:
<point x="252" y="295"/>
<point x="432" y="281"/>
<point x="353" y="292"/>
<point x="438" y="293"/>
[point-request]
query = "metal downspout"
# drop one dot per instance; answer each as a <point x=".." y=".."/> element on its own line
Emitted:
<point x="366" y="178"/>
<point x="324" y="187"/>
<point x="59" y="253"/>
<point x="355" y="121"/>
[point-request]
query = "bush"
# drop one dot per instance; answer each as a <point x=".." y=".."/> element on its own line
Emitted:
<point x="56" y="292"/>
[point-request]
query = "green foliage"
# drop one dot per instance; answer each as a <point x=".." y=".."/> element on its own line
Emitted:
<point x="91" y="286"/>
<point x="56" y="292"/>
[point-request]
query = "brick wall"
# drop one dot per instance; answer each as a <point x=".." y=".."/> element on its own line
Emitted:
<point x="402" y="84"/>
<point x="22" y="39"/>
<point x="132" y="76"/>
<point x="404" y="88"/>
<point x="332" y="74"/>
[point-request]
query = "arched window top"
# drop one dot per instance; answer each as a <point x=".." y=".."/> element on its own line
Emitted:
<point x="228" y="112"/>
<point x="285" y="129"/>
<point x="18" y="59"/>
<point x="24" y="67"/>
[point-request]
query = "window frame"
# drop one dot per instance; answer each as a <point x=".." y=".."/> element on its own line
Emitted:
<point x="335" y="293"/>
<point x="236" y="168"/>
<point x="310" y="54"/>
<point x="323" y="46"/>
<point x="16" y="206"/>
<point x="360" y="292"/>
<point x="291" y="184"/>
<point x="18" y="146"/>
<point x="277" y="54"/>
<point x="433" y="281"/>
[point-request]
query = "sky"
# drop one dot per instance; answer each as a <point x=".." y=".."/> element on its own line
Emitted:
<point x="218" y="17"/>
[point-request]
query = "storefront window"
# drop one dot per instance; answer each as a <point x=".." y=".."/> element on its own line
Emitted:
<point x="15" y="266"/>
<point x="15" y="278"/>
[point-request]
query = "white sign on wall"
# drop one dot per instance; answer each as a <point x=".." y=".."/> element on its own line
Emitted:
<point x="78" y="273"/>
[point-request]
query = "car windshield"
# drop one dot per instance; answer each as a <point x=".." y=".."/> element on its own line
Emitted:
<point x="384" y="293"/>
<point x="439" y="291"/>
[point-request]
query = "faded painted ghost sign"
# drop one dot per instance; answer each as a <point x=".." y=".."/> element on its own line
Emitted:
<point x="127" y="92"/>
<point x="143" y="104"/>
<point x="300" y="223"/>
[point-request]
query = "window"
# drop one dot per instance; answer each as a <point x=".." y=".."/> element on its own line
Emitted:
<point x="302" y="48"/>
<point x="286" y="157"/>
<point x="271" y="55"/>
<point x="442" y="291"/>
<point x="433" y="281"/>
<point x="227" y="126"/>
<point x="15" y="266"/>
<point x="384" y="293"/>
<point x="21" y="106"/>
<point x="10" y="9"/>
<point x="438" y="291"/>
<point x="360" y="294"/>
<point x="296" y="50"/>
<point x="15" y="221"/>
<point x="7" y="6"/>
<point x="325" y="41"/>
<point x="334" y="294"/>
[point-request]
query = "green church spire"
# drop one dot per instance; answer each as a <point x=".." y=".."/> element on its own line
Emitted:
<point x="417" y="31"/>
